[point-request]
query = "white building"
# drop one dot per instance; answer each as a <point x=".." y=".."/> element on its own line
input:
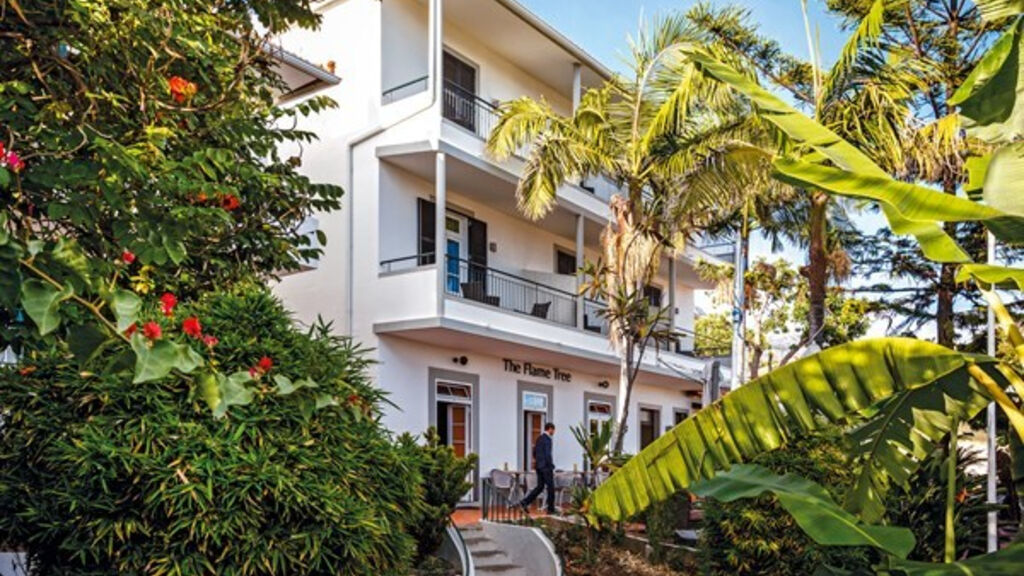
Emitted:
<point x="491" y="341"/>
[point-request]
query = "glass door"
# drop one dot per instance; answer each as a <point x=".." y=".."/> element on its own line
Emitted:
<point x="456" y="248"/>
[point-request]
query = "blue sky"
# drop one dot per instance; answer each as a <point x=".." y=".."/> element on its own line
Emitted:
<point x="601" y="26"/>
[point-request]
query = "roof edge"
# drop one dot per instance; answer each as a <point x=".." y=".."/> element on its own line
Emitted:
<point x="557" y="37"/>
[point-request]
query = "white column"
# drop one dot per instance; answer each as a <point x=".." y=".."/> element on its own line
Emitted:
<point x="580" y="223"/>
<point x="436" y="39"/>
<point x="440" y="211"/>
<point x="577" y="85"/>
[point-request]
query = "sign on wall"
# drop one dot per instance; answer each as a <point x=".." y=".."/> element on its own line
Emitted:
<point x="534" y="371"/>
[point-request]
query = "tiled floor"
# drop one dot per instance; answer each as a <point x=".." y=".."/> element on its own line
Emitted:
<point x="466" y="516"/>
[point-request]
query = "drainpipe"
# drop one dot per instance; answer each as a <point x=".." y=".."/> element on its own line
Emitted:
<point x="580" y="297"/>
<point x="434" y="65"/>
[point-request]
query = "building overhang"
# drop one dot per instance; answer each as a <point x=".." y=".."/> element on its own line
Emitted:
<point x="481" y="339"/>
<point x="301" y="76"/>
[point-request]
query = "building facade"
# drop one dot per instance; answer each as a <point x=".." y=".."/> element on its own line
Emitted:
<point x="472" y="311"/>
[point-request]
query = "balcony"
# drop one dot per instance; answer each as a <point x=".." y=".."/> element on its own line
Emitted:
<point x="479" y="284"/>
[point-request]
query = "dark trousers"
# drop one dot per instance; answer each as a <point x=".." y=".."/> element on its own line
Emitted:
<point x="545" y="478"/>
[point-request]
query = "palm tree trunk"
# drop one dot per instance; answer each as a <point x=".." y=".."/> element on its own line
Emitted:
<point x="625" y="391"/>
<point x="817" y="267"/>
<point x="945" y="331"/>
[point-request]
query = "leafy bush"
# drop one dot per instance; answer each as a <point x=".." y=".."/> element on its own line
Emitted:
<point x="759" y="537"/>
<point x="443" y="476"/>
<point x="101" y="476"/>
<point x="921" y="506"/>
<point x="662" y="520"/>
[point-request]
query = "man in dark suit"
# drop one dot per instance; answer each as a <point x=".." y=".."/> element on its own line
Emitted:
<point x="544" y="463"/>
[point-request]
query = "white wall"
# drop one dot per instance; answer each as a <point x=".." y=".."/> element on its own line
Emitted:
<point x="404" y="43"/>
<point x="403" y="370"/>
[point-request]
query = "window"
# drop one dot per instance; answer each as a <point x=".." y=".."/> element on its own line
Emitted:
<point x="565" y="262"/>
<point x="449" y="392"/>
<point x="535" y="401"/>
<point x="598" y="412"/>
<point x="653" y="295"/>
<point x="696" y="406"/>
<point x="649" y="426"/>
<point x="680" y="415"/>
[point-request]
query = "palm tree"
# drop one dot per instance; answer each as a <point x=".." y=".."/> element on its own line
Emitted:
<point x="863" y="98"/>
<point x="649" y="133"/>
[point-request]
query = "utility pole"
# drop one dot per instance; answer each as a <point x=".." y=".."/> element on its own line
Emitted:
<point x="993" y="472"/>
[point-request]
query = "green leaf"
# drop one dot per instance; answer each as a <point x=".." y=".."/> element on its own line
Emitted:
<point x="5" y="236"/>
<point x="41" y="302"/>
<point x="833" y="387"/>
<point x="126" y="306"/>
<point x="1006" y="562"/>
<point x="998" y="9"/>
<point x="916" y="205"/>
<point x="5" y="178"/>
<point x="977" y="169"/>
<point x="233" y="392"/>
<point x="325" y="400"/>
<point x="811" y="506"/>
<point x="1001" y="276"/>
<point x="155" y="360"/>
<point x="175" y="249"/>
<point x="209" y="390"/>
<point x="990" y="98"/>
<point x="70" y="254"/>
<point x="86" y="340"/>
<point x="806" y="131"/>
<point x="1004" y="180"/>
<point x="285" y="386"/>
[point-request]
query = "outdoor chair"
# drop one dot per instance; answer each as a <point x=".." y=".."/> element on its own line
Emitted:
<point x="504" y="485"/>
<point x="564" y="483"/>
<point x="477" y="291"/>
<point x="540" y="310"/>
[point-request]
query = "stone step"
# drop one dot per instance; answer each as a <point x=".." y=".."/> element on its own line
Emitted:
<point x="487" y="553"/>
<point x="503" y="568"/>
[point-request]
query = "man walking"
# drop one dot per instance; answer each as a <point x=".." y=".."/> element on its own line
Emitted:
<point x="545" y="466"/>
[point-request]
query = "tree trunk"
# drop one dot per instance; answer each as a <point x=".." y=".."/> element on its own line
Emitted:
<point x="945" y="293"/>
<point x="625" y="391"/>
<point x="817" y="267"/>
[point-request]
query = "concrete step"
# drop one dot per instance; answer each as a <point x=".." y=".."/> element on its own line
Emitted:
<point x="502" y="568"/>
<point x="487" y="553"/>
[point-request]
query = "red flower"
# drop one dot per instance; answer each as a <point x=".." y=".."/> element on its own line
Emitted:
<point x="202" y="197"/>
<point x="127" y="257"/>
<point x="265" y="364"/>
<point x="191" y="327"/>
<point x="230" y="202"/>
<point x="210" y="341"/>
<point x="131" y="330"/>
<point x="14" y="162"/>
<point x="152" y="331"/>
<point x="354" y="399"/>
<point x="181" y="89"/>
<point x="167" y="303"/>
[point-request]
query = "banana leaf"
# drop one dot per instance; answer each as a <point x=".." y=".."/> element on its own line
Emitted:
<point x="998" y="9"/>
<point x="990" y="99"/>
<point x="1006" y="562"/>
<point x="811" y="506"/>
<point x="936" y="244"/>
<point x="839" y="386"/>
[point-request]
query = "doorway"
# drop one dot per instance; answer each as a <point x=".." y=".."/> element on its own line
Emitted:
<point x="535" y="410"/>
<point x="454" y="418"/>
<point x="650" y="424"/>
<point x="455" y="250"/>
<point x="459" y="91"/>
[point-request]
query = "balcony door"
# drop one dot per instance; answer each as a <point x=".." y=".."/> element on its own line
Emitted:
<point x="456" y="249"/>
<point x="535" y="416"/>
<point x="459" y="91"/>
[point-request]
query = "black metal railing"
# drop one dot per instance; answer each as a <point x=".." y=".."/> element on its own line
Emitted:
<point x="403" y="90"/>
<point x="469" y="110"/>
<point x="406" y="262"/>
<point x="486" y="285"/>
<point x="501" y="504"/>
<point x="593" y="317"/>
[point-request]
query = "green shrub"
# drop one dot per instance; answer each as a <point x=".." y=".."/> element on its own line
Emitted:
<point x="102" y="476"/>
<point x="921" y="506"/>
<point x="759" y="537"/>
<point x="443" y="476"/>
<point x="662" y="520"/>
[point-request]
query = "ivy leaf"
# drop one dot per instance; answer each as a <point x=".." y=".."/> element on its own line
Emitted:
<point x="70" y="254"/>
<point x="153" y="362"/>
<point x="41" y="302"/>
<point x="126" y="306"/>
<point x="233" y="392"/>
<point x="85" y="341"/>
<point x="209" y="390"/>
<point x="285" y="386"/>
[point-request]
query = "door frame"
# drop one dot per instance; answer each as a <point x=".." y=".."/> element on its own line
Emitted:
<point x="467" y="379"/>
<point x="657" y="409"/>
<point x="521" y="387"/>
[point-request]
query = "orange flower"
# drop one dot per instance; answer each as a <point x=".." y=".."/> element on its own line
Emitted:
<point x="230" y="202"/>
<point x="181" y="89"/>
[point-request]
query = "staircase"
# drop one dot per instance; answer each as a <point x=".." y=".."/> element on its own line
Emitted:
<point x="502" y="550"/>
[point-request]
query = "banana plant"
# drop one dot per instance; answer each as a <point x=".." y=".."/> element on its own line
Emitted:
<point x="900" y="396"/>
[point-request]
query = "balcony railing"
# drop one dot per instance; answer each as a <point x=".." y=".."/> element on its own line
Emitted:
<point x="513" y="293"/>
<point x="469" y="110"/>
<point x="404" y="90"/>
<point x="485" y="285"/>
